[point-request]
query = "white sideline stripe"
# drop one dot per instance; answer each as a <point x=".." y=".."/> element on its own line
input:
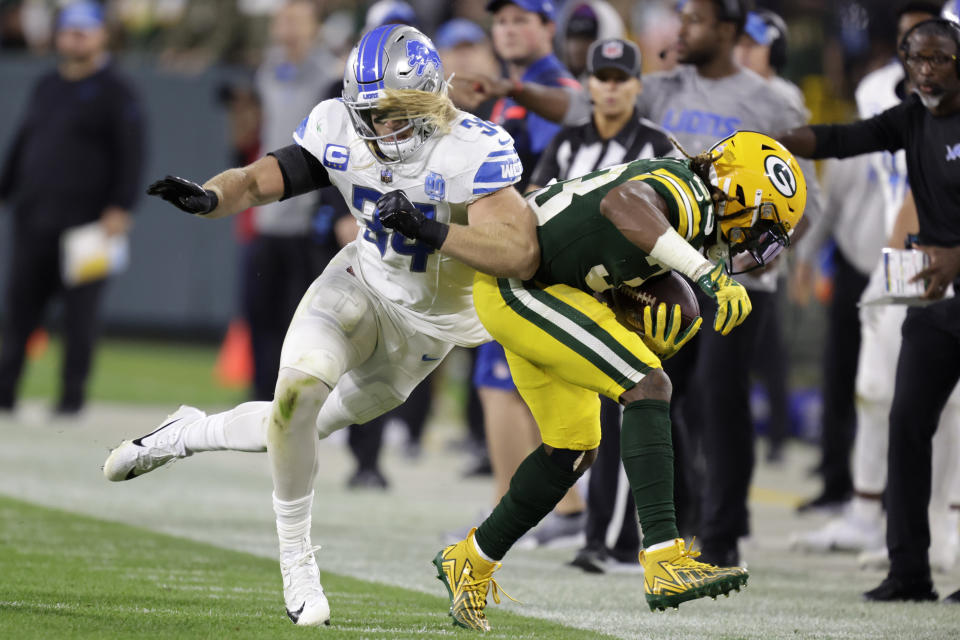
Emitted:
<point x="574" y="330"/>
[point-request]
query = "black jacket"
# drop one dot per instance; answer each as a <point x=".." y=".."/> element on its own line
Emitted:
<point x="79" y="149"/>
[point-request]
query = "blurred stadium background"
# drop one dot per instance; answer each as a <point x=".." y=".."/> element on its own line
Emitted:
<point x="166" y="318"/>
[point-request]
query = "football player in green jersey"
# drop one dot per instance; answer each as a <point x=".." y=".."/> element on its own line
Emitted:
<point x="739" y="203"/>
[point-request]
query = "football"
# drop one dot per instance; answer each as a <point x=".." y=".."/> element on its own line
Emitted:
<point x="628" y="302"/>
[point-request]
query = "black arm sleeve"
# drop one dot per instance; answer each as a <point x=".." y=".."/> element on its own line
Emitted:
<point x="884" y="132"/>
<point x="547" y="167"/>
<point x="302" y="173"/>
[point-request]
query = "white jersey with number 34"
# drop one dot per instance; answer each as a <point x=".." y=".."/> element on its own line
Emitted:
<point x="431" y="291"/>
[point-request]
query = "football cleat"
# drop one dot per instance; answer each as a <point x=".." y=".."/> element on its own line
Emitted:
<point x="468" y="578"/>
<point x="302" y="593"/>
<point x="672" y="576"/>
<point x="158" y="448"/>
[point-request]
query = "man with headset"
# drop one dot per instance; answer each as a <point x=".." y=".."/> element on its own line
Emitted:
<point x="927" y="126"/>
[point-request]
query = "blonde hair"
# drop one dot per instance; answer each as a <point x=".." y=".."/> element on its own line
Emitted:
<point x="435" y="109"/>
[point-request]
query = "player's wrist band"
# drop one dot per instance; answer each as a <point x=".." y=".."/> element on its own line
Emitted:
<point x="433" y="233"/>
<point x="672" y="251"/>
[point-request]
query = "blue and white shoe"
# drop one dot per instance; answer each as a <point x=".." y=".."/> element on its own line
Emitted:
<point x="158" y="448"/>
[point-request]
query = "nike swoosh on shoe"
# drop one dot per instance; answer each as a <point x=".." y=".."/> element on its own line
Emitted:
<point x="139" y="441"/>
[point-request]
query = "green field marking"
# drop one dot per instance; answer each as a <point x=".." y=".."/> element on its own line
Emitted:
<point x="68" y="576"/>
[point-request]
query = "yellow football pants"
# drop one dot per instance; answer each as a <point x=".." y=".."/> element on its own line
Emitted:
<point x="564" y="347"/>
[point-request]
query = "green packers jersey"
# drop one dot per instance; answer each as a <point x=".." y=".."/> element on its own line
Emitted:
<point x="581" y="248"/>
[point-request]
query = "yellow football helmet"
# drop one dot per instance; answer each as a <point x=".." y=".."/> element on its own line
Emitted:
<point x="766" y="193"/>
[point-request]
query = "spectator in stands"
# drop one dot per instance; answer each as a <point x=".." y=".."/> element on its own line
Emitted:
<point x="615" y="134"/>
<point x="216" y="31"/>
<point x="464" y="47"/>
<point x="389" y="12"/>
<point x="579" y="25"/>
<point x="75" y="159"/>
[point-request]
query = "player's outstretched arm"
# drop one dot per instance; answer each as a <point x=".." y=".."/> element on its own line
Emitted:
<point x="500" y="239"/>
<point x="548" y="102"/>
<point x="226" y="193"/>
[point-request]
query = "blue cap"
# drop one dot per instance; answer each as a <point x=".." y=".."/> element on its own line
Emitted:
<point x="80" y="15"/>
<point x="759" y="30"/>
<point x="389" y="12"/>
<point x="545" y="8"/>
<point x="458" y="31"/>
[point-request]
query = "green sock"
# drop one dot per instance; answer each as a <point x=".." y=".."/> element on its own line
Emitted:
<point x="535" y="489"/>
<point x="647" y="451"/>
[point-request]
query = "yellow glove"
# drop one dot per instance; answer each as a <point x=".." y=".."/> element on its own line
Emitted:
<point x="733" y="303"/>
<point x="662" y="336"/>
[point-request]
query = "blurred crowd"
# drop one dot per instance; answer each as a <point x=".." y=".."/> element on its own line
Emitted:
<point x="840" y="40"/>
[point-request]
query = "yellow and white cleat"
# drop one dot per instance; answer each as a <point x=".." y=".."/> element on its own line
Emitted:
<point x="672" y="575"/>
<point x="468" y="578"/>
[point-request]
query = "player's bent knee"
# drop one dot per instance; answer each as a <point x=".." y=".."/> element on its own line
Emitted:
<point x="655" y="385"/>
<point x="296" y="392"/>
<point x="571" y="459"/>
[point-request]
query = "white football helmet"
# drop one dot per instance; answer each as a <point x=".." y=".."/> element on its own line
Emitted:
<point x="392" y="56"/>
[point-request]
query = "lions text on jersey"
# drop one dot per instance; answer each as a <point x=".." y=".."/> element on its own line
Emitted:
<point x="431" y="291"/>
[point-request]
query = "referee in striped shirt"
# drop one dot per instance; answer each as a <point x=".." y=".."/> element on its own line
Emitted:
<point x="615" y="134"/>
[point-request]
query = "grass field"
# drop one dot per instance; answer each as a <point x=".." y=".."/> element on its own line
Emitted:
<point x="72" y="576"/>
<point x="65" y="575"/>
<point x="137" y="372"/>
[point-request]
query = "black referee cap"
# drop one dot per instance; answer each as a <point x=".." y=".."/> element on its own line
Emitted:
<point x="614" y="53"/>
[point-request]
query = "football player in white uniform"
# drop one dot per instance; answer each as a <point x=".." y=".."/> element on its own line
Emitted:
<point x="386" y="310"/>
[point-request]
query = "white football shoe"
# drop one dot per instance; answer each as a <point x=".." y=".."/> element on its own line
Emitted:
<point x="846" y="533"/>
<point x="302" y="593"/>
<point x="944" y="539"/>
<point x="943" y="552"/>
<point x="163" y="445"/>
<point x="874" y="559"/>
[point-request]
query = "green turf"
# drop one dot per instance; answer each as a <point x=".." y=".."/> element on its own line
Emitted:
<point x="69" y="576"/>
<point x="137" y="372"/>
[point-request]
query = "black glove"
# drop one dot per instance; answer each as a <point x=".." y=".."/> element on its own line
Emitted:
<point x="184" y="195"/>
<point x="399" y="214"/>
